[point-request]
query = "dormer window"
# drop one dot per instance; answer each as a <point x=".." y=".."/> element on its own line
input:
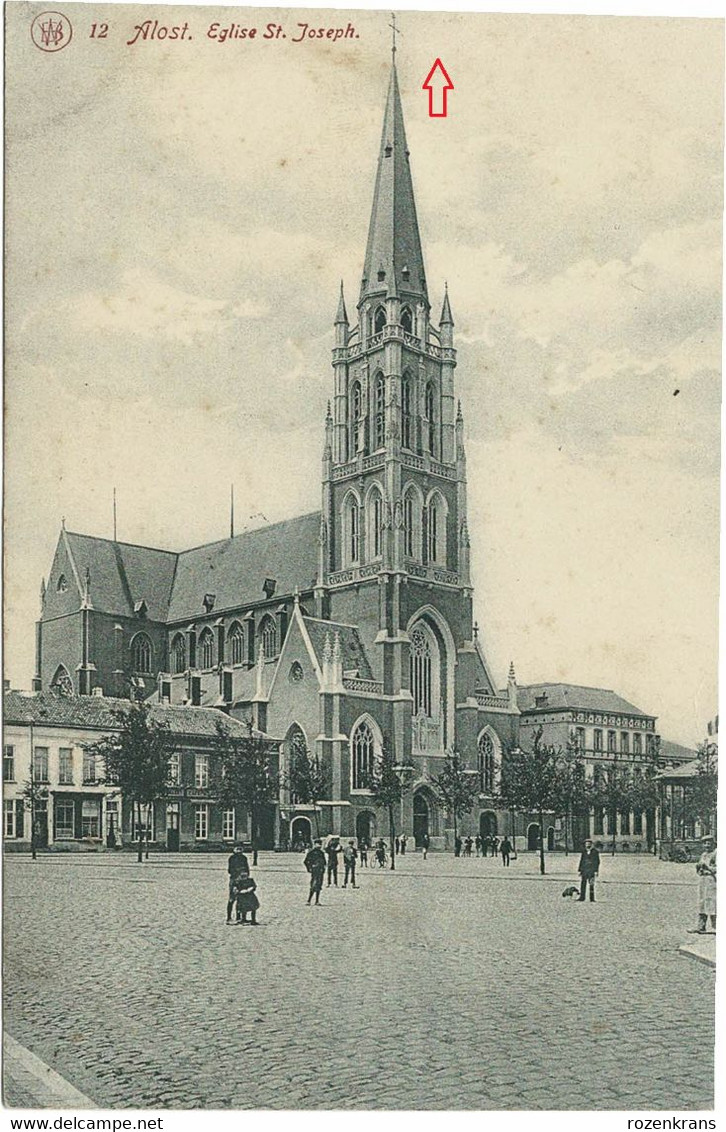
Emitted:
<point x="62" y="584"/>
<point x="140" y="609"/>
<point x="406" y="273"/>
<point x="388" y="150"/>
<point x="208" y="602"/>
<point x="269" y="586"/>
<point x="541" y="701"/>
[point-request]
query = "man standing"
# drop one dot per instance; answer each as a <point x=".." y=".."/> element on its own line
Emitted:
<point x="237" y="867"/>
<point x="350" y="854"/>
<point x="425" y="842"/>
<point x="404" y="839"/>
<point x="706" y="870"/>
<point x="315" y="864"/>
<point x="505" y="849"/>
<point x="332" y="851"/>
<point x="588" y="869"/>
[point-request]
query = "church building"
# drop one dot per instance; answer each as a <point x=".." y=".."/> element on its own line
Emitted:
<point x="350" y="626"/>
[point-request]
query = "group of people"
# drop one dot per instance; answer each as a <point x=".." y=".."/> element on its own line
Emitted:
<point x="319" y="862"/>
<point x="484" y="847"/>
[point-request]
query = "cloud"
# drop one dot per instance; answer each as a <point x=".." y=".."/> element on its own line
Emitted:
<point x="144" y="304"/>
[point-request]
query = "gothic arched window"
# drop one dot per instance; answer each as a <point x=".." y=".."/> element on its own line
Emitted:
<point x="406" y="411"/>
<point x="487" y="763"/>
<point x="430" y="409"/>
<point x="407" y="320"/>
<point x="380" y="421"/>
<point x="268" y="637"/>
<point x="411" y="524"/>
<point x="427" y="683"/>
<point x="356" y="419"/>
<point x="178" y="654"/>
<point x="421" y="682"/>
<point x="61" y="683"/>
<point x="436" y="531"/>
<point x="141" y="653"/>
<point x="375" y="525"/>
<point x="206" y="648"/>
<point x="379" y="320"/>
<point x="236" y="641"/>
<point x="363" y="755"/>
<point x="351" y="528"/>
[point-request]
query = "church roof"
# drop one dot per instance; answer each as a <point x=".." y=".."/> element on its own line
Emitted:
<point x="122" y="574"/>
<point x="562" y="697"/>
<point x="354" y="654"/>
<point x="394" y="243"/>
<point x="234" y="569"/>
<point x="95" y="712"/>
<point x="173" y="585"/>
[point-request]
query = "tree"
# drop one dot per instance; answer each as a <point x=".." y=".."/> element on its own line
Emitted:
<point x="136" y="759"/>
<point x="703" y="788"/>
<point x="307" y="780"/>
<point x="573" y="795"/>
<point x="645" y="792"/>
<point x="388" y="782"/>
<point x="35" y="796"/>
<point x="615" y="792"/>
<point x="530" y="783"/>
<point x="245" y="776"/>
<point x="456" y="787"/>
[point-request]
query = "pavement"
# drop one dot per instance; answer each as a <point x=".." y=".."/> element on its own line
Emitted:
<point x="449" y="984"/>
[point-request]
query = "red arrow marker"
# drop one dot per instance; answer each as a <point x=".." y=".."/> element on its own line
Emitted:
<point x="438" y="84"/>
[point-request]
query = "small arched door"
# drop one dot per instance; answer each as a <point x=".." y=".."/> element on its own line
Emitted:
<point x="550" y="838"/>
<point x="365" y="827"/>
<point x="420" y="818"/>
<point x="487" y="824"/>
<point x="533" y="836"/>
<point x="301" y="833"/>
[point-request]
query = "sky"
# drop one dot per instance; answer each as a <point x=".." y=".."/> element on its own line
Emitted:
<point x="180" y="215"/>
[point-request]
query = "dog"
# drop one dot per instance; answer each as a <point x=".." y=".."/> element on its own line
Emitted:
<point x="571" y="890"/>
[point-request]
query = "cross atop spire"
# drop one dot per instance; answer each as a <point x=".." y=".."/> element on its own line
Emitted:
<point x="395" y="32"/>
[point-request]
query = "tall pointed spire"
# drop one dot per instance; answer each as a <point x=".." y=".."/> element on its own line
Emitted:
<point x="341" y="315"/>
<point x="446" y="317"/>
<point x="394" y="262"/>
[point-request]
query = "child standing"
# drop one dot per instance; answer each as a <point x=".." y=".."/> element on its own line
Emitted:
<point x="247" y="901"/>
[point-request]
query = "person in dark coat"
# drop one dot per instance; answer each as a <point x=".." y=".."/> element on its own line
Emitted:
<point x="237" y="866"/>
<point x="350" y="855"/>
<point x="315" y="864"/>
<point x="333" y="850"/>
<point x="457" y="846"/>
<point x="505" y="848"/>
<point x="588" y="869"/>
<point x="247" y="901"/>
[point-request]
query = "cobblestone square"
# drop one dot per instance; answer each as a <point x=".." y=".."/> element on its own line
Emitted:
<point x="449" y="984"/>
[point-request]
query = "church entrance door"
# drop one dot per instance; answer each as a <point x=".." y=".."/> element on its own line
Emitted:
<point x="365" y="827"/>
<point x="487" y="824"/>
<point x="420" y="818"/>
<point x="301" y="833"/>
<point x="533" y="836"/>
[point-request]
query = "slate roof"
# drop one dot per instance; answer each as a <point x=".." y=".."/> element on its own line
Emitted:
<point x="685" y="771"/>
<point x="234" y="569"/>
<point x="122" y="574"/>
<point x="354" y="654"/>
<point x="675" y="752"/>
<point x="46" y="709"/>
<point x="173" y="584"/>
<point x="565" y="697"/>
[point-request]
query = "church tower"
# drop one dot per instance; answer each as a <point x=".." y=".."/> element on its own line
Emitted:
<point x="394" y="536"/>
